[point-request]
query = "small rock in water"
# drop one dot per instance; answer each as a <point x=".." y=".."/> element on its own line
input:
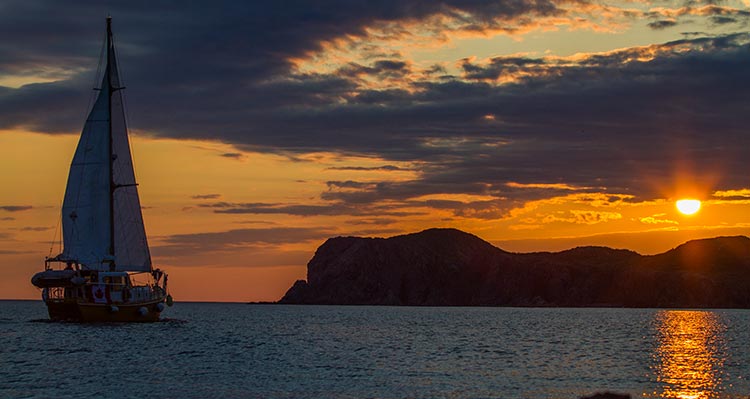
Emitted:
<point x="607" y="395"/>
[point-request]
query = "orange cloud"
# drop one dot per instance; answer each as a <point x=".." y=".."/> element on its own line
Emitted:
<point x="557" y="186"/>
<point x="657" y="219"/>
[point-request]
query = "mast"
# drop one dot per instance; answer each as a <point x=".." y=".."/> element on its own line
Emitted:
<point x="110" y="140"/>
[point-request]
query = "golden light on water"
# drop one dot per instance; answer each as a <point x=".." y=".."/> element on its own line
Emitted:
<point x="690" y="354"/>
<point x="688" y="206"/>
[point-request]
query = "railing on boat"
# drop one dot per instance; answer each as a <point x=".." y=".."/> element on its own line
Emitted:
<point x="57" y="293"/>
<point x="140" y="293"/>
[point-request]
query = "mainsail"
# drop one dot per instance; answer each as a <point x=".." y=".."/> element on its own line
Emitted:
<point x="101" y="214"/>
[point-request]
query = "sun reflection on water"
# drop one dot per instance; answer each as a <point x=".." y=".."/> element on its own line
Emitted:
<point x="690" y="354"/>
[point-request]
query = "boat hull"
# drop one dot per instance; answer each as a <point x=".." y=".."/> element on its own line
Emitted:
<point x="105" y="313"/>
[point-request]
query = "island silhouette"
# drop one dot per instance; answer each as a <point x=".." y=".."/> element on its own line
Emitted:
<point x="449" y="267"/>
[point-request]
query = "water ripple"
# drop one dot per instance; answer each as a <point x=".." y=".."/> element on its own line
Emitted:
<point x="253" y="351"/>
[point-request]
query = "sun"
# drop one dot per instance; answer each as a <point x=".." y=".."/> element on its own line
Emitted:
<point x="688" y="206"/>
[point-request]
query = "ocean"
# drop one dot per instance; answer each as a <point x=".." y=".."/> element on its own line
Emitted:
<point x="220" y="350"/>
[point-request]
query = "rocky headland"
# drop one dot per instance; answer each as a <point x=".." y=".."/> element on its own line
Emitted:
<point x="448" y="267"/>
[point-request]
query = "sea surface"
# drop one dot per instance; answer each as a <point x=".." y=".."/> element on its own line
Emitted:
<point x="218" y="350"/>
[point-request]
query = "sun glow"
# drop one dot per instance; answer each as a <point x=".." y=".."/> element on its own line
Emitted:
<point x="688" y="206"/>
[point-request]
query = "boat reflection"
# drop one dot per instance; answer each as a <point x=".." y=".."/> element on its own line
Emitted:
<point x="690" y="354"/>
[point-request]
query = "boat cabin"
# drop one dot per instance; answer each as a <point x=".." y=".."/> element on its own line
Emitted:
<point x="108" y="287"/>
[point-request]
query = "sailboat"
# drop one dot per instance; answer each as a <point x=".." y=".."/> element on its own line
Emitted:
<point x="104" y="272"/>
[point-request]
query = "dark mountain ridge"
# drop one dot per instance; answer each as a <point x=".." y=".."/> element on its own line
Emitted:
<point x="448" y="267"/>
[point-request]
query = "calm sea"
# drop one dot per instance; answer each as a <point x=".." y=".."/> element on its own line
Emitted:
<point x="205" y="350"/>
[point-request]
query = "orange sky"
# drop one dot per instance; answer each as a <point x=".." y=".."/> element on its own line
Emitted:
<point x="256" y="257"/>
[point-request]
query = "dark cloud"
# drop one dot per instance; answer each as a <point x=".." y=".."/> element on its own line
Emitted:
<point x="693" y="3"/>
<point x="14" y="252"/>
<point x="349" y="184"/>
<point x="717" y="10"/>
<point x="7" y="218"/>
<point x="662" y="24"/>
<point x="497" y="67"/>
<point x="380" y="69"/>
<point x="722" y="20"/>
<point x="15" y="208"/>
<point x="387" y="168"/>
<point x="206" y="196"/>
<point x="621" y="121"/>
<point x="690" y="35"/>
<point x="366" y="197"/>
<point x="333" y="208"/>
<point x="354" y="193"/>
<point x="373" y="221"/>
<point x="384" y="97"/>
<point x="391" y="65"/>
<point x="32" y="228"/>
<point x="262" y="243"/>
<point x="233" y="155"/>
<point x="270" y="209"/>
<point x="217" y="63"/>
<point x="250" y="237"/>
<point x="710" y="10"/>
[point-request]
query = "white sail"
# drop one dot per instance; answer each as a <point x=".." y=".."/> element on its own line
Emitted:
<point x="87" y="217"/>
<point x="131" y="246"/>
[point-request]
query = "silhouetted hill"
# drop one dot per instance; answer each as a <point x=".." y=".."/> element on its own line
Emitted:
<point x="450" y="267"/>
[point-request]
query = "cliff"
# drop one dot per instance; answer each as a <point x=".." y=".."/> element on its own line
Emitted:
<point x="448" y="267"/>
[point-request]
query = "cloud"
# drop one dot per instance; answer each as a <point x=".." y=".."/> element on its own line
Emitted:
<point x="498" y="67"/>
<point x="262" y="242"/>
<point x="381" y="69"/>
<point x="594" y="217"/>
<point x="333" y="208"/>
<point x="736" y="196"/>
<point x="585" y="217"/>
<point x="227" y="55"/>
<point x="482" y="200"/>
<point x="14" y="252"/>
<point x="739" y="193"/>
<point x="657" y="219"/>
<point x="15" y="208"/>
<point x="616" y="122"/>
<point x="710" y="10"/>
<point x="206" y="196"/>
<point x="662" y="24"/>
<point x="31" y="228"/>
<point x="385" y="168"/>
<point x="233" y="155"/>
<point x="374" y="221"/>
<point x="722" y="20"/>
<point x="237" y="257"/>
<point x="254" y="222"/>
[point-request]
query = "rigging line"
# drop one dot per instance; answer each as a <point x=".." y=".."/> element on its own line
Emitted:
<point x="54" y="236"/>
<point x="97" y="78"/>
<point x="60" y="242"/>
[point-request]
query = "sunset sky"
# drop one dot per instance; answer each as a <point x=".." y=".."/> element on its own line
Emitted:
<point x="259" y="129"/>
